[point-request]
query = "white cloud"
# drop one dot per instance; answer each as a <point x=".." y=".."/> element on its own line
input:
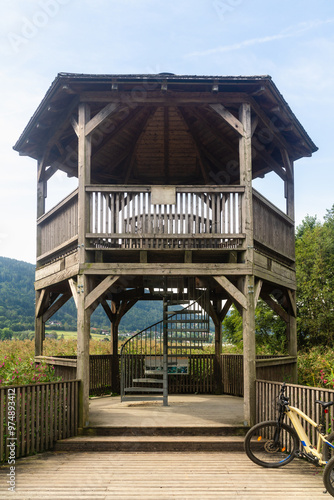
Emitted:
<point x="290" y="32"/>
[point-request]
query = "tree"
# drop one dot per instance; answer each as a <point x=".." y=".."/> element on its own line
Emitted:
<point x="315" y="281"/>
<point x="269" y="329"/>
<point x="6" y="334"/>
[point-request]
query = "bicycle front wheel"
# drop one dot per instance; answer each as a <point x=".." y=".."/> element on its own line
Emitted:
<point x="328" y="477"/>
<point x="267" y="446"/>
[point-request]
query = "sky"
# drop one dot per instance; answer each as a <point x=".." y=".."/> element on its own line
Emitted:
<point x="292" y="41"/>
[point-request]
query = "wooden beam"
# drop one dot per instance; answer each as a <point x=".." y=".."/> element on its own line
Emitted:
<point x="159" y="99"/>
<point x="229" y="118"/>
<point x="225" y="309"/>
<point x="232" y="290"/>
<point x="257" y="291"/>
<point x="95" y="294"/>
<point x="107" y="310"/>
<point x="39" y="304"/>
<point x="292" y="302"/>
<point x="56" y="306"/>
<point x="101" y="116"/>
<point x="275" y="307"/>
<point x="197" y="146"/>
<point x="75" y="125"/>
<point x="74" y="290"/>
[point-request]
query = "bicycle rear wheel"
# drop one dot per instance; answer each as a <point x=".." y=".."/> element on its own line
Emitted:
<point x="264" y="447"/>
<point x="328" y="477"/>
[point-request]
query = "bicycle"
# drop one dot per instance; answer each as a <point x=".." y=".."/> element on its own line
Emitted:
<point x="274" y="443"/>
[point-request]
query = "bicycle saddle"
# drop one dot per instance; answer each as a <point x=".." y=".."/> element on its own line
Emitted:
<point x="324" y="404"/>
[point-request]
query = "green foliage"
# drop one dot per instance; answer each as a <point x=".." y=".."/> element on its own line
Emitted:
<point x="315" y="281"/>
<point x="269" y="330"/>
<point x="316" y="367"/>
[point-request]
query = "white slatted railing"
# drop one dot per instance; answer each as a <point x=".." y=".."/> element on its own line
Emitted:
<point x="126" y="217"/>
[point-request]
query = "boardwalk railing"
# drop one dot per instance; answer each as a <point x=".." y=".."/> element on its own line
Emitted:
<point x="302" y="397"/>
<point x="33" y="417"/>
<point x="188" y="217"/>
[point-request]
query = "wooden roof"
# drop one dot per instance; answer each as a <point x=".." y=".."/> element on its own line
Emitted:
<point x="164" y="129"/>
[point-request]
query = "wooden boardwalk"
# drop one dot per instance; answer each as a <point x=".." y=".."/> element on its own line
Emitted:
<point x="165" y="476"/>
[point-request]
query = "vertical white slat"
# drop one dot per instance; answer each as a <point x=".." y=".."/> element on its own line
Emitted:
<point x="213" y="211"/>
<point x="234" y="210"/>
<point x="96" y="224"/>
<point x="116" y="214"/>
<point x="229" y="213"/>
<point x="112" y="213"/>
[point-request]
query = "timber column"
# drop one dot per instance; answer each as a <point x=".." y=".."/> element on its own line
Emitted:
<point x="248" y="311"/>
<point x="83" y="316"/>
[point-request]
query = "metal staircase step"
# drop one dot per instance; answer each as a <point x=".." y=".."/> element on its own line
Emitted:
<point x="143" y="389"/>
<point x="186" y="347"/>
<point x="148" y="380"/>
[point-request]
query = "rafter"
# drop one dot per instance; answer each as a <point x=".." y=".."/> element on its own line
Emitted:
<point x="197" y="146"/>
<point x="101" y="116"/>
<point x="229" y="118"/>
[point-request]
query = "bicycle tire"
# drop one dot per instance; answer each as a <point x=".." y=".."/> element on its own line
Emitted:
<point x="328" y="477"/>
<point x="260" y="448"/>
<point x="328" y="452"/>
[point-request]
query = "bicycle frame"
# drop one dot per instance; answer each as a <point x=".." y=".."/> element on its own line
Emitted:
<point x="292" y="413"/>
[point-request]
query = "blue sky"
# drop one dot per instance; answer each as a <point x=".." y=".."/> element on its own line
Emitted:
<point x="291" y="41"/>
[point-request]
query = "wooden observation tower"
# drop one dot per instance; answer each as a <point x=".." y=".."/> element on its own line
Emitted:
<point x="165" y="165"/>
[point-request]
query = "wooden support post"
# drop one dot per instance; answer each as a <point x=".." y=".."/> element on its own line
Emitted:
<point x="218" y="358"/>
<point x="248" y="323"/>
<point x="291" y="332"/>
<point x="248" y="312"/>
<point x="84" y="175"/>
<point x="115" y="378"/>
<point x="83" y="334"/>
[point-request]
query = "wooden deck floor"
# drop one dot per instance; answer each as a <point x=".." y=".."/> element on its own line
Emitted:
<point x="184" y="410"/>
<point x="111" y="476"/>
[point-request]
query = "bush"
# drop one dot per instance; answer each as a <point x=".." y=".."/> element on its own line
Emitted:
<point x="316" y="367"/>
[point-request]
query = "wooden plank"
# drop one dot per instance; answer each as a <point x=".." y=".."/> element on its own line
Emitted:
<point x="163" y="268"/>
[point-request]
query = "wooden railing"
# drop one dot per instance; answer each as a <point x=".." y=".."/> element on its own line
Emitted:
<point x="33" y="417"/>
<point x="190" y="217"/>
<point x="58" y="228"/>
<point x="267" y="367"/>
<point x="302" y="397"/>
<point x="100" y="370"/>
<point x="272" y="228"/>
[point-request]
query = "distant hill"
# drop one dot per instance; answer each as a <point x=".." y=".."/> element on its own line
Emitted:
<point x="17" y="304"/>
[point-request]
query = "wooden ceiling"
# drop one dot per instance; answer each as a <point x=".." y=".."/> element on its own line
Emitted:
<point x="164" y="129"/>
